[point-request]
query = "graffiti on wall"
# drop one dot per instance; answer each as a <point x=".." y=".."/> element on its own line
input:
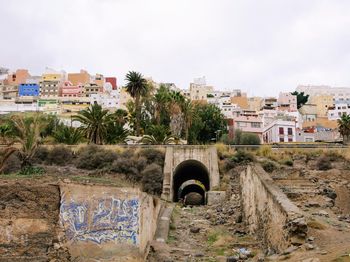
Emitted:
<point x="101" y="220"/>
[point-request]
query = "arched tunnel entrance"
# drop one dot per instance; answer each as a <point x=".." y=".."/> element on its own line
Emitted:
<point x="190" y="176"/>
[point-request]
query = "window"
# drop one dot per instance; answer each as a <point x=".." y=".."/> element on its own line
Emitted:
<point x="281" y="139"/>
<point x="290" y="131"/>
<point x="281" y="131"/>
<point x="290" y="139"/>
<point x="256" y="124"/>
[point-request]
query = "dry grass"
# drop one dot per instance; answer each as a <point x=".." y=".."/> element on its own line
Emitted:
<point x="315" y="224"/>
<point x="224" y="151"/>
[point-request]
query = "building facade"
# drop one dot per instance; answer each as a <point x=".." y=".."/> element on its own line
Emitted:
<point x="280" y="131"/>
<point x="28" y="90"/>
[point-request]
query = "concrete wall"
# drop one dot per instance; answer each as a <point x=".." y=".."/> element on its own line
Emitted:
<point x="268" y="212"/>
<point x="174" y="156"/>
<point x="107" y="223"/>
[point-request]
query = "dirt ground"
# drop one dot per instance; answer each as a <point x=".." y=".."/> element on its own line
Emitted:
<point x="324" y="197"/>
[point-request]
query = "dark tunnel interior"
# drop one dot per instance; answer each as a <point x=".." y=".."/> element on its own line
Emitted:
<point x="190" y="170"/>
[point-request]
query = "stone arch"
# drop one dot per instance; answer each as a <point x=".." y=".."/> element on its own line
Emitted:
<point x="191" y="176"/>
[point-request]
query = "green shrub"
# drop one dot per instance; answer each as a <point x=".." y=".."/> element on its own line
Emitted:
<point x="287" y="161"/>
<point x="152" y="179"/>
<point x="324" y="163"/>
<point x="153" y="156"/>
<point x="32" y="170"/>
<point x="59" y="155"/>
<point x="94" y="157"/>
<point x="243" y="156"/>
<point x="249" y="139"/>
<point x="268" y="166"/>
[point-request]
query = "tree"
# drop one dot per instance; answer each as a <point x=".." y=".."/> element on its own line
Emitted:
<point x="158" y="135"/>
<point x="207" y="121"/>
<point x="136" y="86"/>
<point x="26" y="132"/>
<point x="94" y="122"/>
<point x="188" y="115"/>
<point x="8" y="149"/>
<point x="344" y="127"/>
<point x="301" y="98"/>
<point x="67" y="135"/>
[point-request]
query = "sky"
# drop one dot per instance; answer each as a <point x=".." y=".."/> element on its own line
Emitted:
<point x="262" y="47"/>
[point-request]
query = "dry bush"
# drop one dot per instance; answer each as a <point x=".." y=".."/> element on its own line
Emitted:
<point x="224" y="151"/>
<point x="40" y="155"/>
<point x="323" y="163"/>
<point x="152" y="179"/>
<point x="59" y="155"/>
<point x="94" y="157"/>
<point x="153" y="156"/>
<point x="269" y="166"/>
<point x="12" y="164"/>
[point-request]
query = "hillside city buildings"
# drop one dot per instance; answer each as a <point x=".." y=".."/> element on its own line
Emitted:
<point x="273" y="119"/>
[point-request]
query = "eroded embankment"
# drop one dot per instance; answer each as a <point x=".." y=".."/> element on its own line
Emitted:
<point x="67" y="221"/>
<point x="268" y="212"/>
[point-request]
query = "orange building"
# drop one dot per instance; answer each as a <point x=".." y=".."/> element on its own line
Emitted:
<point x="81" y="78"/>
<point x="20" y="77"/>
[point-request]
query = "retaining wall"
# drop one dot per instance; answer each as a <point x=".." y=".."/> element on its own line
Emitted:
<point x="268" y="212"/>
<point x="69" y="221"/>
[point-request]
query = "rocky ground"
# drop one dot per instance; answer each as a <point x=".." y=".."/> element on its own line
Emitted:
<point x="324" y="196"/>
<point x="209" y="233"/>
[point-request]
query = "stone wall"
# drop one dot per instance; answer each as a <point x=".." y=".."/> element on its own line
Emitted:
<point x="107" y="223"/>
<point x="268" y="212"/>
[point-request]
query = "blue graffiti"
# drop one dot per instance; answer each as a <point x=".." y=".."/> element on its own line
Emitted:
<point x="101" y="220"/>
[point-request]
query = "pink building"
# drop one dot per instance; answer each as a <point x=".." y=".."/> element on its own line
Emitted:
<point x="287" y="102"/>
<point x="70" y="90"/>
<point x="249" y="124"/>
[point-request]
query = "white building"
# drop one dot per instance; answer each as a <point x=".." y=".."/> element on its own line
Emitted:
<point x="338" y="110"/>
<point x="108" y="100"/>
<point x="338" y="93"/>
<point x="280" y="131"/>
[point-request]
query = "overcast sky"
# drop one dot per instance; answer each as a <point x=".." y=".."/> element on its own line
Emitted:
<point x="261" y="46"/>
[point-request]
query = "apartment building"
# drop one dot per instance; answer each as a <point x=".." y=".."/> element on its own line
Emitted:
<point x="70" y="90"/>
<point x="81" y="78"/>
<point x="287" y="102"/>
<point x="249" y="124"/>
<point x="280" y="131"/>
<point x="19" y="77"/>
<point x="91" y="88"/>
<point x="323" y="104"/>
<point x="28" y="90"/>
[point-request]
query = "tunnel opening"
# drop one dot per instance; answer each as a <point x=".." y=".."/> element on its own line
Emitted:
<point x="190" y="176"/>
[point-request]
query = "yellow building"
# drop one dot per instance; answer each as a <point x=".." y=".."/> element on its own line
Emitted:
<point x="255" y="103"/>
<point x="52" y="77"/>
<point x="241" y="101"/>
<point x="322" y="102"/>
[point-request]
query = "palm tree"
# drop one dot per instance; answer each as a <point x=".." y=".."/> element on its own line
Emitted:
<point x="6" y="139"/>
<point x="176" y="118"/>
<point x="344" y="127"/>
<point x="188" y="114"/>
<point x="136" y="86"/>
<point x="159" y="135"/>
<point x="26" y="132"/>
<point x="94" y="122"/>
<point x="161" y="101"/>
<point x="67" y="135"/>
